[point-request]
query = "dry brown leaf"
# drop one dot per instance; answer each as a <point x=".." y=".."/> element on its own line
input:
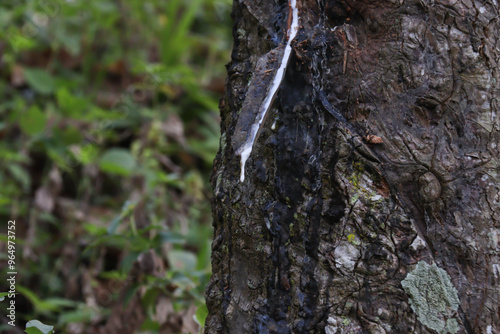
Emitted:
<point x="372" y="139"/>
<point x="45" y="196"/>
<point x="174" y="128"/>
<point x="44" y="199"/>
<point x="17" y="76"/>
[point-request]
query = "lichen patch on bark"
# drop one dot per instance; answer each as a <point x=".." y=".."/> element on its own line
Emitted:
<point x="433" y="297"/>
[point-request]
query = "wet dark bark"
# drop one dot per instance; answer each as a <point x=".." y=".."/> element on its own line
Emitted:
<point x="334" y="231"/>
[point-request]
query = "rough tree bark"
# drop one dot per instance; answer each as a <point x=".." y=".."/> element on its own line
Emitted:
<point x="384" y="219"/>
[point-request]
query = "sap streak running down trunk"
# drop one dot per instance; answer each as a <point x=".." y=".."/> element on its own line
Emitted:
<point x="332" y="231"/>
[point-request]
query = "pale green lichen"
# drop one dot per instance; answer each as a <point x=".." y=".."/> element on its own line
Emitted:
<point x="241" y="33"/>
<point x="432" y="297"/>
<point x="452" y="326"/>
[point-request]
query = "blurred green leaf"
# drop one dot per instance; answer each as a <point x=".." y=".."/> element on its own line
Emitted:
<point x="44" y="306"/>
<point x="70" y="41"/>
<point x="114" y="224"/>
<point x="175" y="29"/>
<point x="182" y="260"/>
<point x="12" y="156"/>
<point x="63" y="157"/>
<point x="95" y="230"/>
<point x="204" y="254"/>
<point x="112" y="241"/>
<point x="19" y="41"/>
<point x="33" y="121"/>
<point x="126" y="210"/>
<point x="81" y="315"/>
<point x="5" y="17"/>
<point x="182" y="281"/>
<point x="150" y="325"/>
<point x="117" y="161"/>
<point x="36" y="327"/>
<point x="87" y="154"/>
<point x="20" y="175"/>
<point x="60" y="302"/>
<point x="68" y="136"/>
<point x="201" y="315"/>
<point x="172" y="238"/>
<point x="70" y="104"/>
<point x="4" y="200"/>
<point x="105" y="7"/>
<point x="3" y="295"/>
<point x="40" y="80"/>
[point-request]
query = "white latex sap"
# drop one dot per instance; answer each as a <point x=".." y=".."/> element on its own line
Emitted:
<point x="246" y="148"/>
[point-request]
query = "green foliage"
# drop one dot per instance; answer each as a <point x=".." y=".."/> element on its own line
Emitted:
<point x="117" y="161"/>
<point x="3" y="295"/>
<point x="40" y="80"/>
<point x="36" y="327"/>
<point x="33" y="122"/>
<point x="201" y="315"/>
<point x="108" y="129"/>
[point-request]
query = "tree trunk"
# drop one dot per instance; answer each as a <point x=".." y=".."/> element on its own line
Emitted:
<point x="371" y="198"/>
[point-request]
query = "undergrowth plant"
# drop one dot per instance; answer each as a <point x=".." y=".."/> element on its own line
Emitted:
<point x="108" y="128"/>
